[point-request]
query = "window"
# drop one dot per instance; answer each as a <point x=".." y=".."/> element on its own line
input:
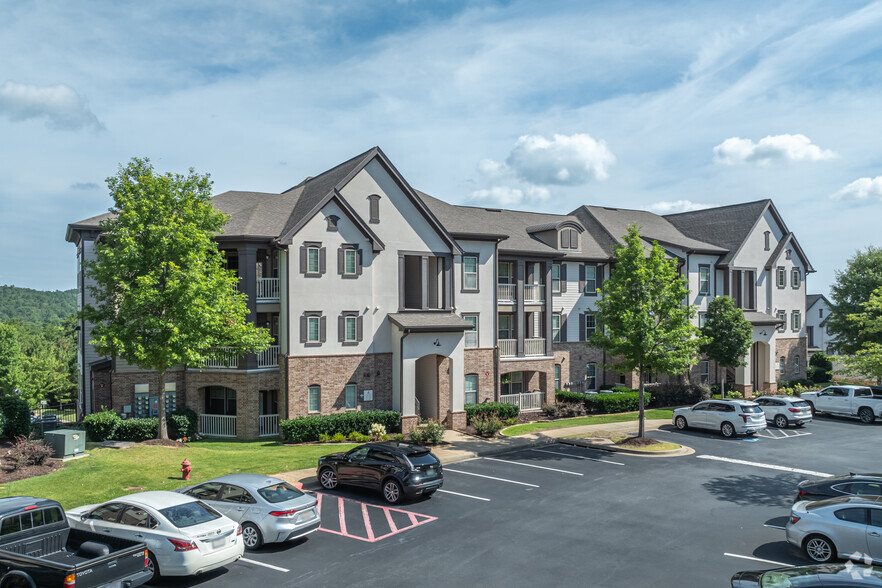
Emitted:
<point x="470" y="272"/>
<point x="702" y="319"/>
<point x="506" y="326"/>
<point x="795" y="277"/>
<point x="315" y="396"/>
<point x="351" y="393"/>
<point x="704" y="370"/>
<point x="591" y="376"/>
<point x="703" y="280"/>
<point x="810" y="335"/>
<point x="767" y="239"/>
<point x="555" y="278"/>
<point x="471" y="335"/>
<point x="852" y="515"/>
<point x="236" y="495"/>
<point x="220" y="400"/>
<point x="555" y="328"/>
<point x="375" y="208"/>
<point x="349" y="325"/>
<point x="207" y="491"/>
<point x="471" y="389"/>
<point x="782" y="277"/>
<point x="557" y="376"/>
<point x="569" y="239"/>
<point x="820" y="313"/>
<point x="782" y="317"/>
<point x="781" y="365"/>
<point x="795" y="320"/>
<point x="590" y="325"/>
<point x="350" y="261"/>
<point x="590" y="279"/>
<point x="312" y="260"/>
<point x="796" y="365"/>
<point x="512" y="383"/>
<point x="312" y="328"/>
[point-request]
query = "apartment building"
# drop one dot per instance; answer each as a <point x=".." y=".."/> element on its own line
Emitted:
<point x="382" y="297"/>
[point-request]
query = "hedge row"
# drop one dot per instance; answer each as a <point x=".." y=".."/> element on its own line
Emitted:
<point x="503" y="410"/>
<point x="605" y="402"/>
<point x="101" y="426"/>
<point x="308" y="428"/>
<point x="15" y="417"/>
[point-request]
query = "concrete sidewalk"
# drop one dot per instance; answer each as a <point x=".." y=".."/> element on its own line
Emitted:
<point x="461" y="447"/>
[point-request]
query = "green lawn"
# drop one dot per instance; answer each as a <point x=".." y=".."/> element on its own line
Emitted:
<point x="108" y="473"/>
<point x="588" y="420"/>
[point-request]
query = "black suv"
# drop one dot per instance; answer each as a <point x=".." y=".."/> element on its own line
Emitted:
<point x="852" y="484"/>
<point x="395" y="468"/>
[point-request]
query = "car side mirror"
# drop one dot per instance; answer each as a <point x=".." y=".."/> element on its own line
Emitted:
<point x="84" y="516"/>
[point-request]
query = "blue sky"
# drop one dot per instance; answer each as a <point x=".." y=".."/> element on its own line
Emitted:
<point x="664" y="106"/>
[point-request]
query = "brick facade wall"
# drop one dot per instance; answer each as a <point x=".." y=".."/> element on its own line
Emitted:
<point x="790" y="349"/>
<point x="102" y="390"/>
<point x="540" y="375"/>
<point x="483" y="363"/>
<point x="332" y="373"/>
<point x="573" y="359"/>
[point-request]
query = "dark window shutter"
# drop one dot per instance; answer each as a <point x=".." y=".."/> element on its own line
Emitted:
<point x="565" y="239"/>
<point x="358" y="263"/>
<point x="303" y="329"/>
<point x="322" y="264"/>
<point x="341" y="261"/>
<point x="563" y="278"/>
<point x="358" y="328"/>
<point x="341" y="328"/>
<point x="323" y="329"/>
<point x="563" y="328"/>
<point x="581" y="279"/>
<point x="303" y="260"/>
<point x="598" y="273"/>
<point x="581" y="326"/>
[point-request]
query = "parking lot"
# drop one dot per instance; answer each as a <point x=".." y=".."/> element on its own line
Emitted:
<point x="572" y="516"/>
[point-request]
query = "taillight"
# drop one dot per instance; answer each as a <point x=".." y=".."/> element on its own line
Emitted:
<point x="794" y="519"/>
<point x="744" y="417"/>
<point x="802" y="493"/>
<point x="146" y="559"/>
<point x="794" y="410"/>
<point x="182" y="545"/>
<point x="70" y="581"/>
<point x="238" y="530"/>
<point x="283" y="513"/>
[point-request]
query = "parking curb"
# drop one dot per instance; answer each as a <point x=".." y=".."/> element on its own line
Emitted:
<point x="683" y="450"/>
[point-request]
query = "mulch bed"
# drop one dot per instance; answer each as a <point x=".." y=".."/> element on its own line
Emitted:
<point x="8" y="474"/>
<point x="163" y="443"/>
<point x="639" y="442"/>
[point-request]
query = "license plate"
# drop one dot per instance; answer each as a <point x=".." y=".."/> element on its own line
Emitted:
<point x="430" y="470"/>
<point x="218" y="543"/>
<point x="117" y="584"/>
<point x="308" y="515"/>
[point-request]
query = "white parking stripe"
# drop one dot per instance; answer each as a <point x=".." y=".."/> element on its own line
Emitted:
<point x="491" y="478"/>
<point x="266" y="565"/>
<point x="768" y="561"/>
<point x="767" y="466"/>
<point x="577" y="456"/>
<point x="529" y="465"/>
<point x="466" y="495"/>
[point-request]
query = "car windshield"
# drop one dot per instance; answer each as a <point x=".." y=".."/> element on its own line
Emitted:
<point x="419" y="459"/>
<point x="814" y="575"/>
<point x="799" y="403"/>
<point x="190" y="514"/>
<point x="279" y="493"/>
<point x="750" y="408"/>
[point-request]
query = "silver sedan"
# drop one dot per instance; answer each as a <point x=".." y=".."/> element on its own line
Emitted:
<point x="847" y="527"/>
<point x="270" y="510"/>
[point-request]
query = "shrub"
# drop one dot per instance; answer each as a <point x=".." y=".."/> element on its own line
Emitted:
<point x="357" y="437"/>
<point x="615" y="402"/>
<point x="338" y="438"/>
<point x="324" y="438"/>
<point x="563" y="410"/>
<point x="101" y="426"/>
<point x="28" y="451"/>
<point x="136" y="429"/>
<point x="308" y="428"/>
<point x="3" y="423"/>
<point x="503" y="410"/>
<point x="820" y="368"/>
<point x="398" y="437"/>
<point x="17" y="415"/>
<point x="428" y="432"/>
<point x="181" y="423"/>
<point x="622" y="389"/>
<point x="378" y="431"/>
<point x="730" y="394"/>
<point x="676" y="394"/>
<point x="487" y="424"/>
<point x="569" y="397"/>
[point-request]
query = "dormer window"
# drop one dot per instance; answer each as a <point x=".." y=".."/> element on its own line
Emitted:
<point x="569" y="239"/>
<point x="375" y="207"/>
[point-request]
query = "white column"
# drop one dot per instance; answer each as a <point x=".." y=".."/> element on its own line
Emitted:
<point x="457" y="378"/>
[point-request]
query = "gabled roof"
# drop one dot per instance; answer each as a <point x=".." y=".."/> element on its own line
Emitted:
<point x="811" y="299"/>
<point x="615" y="223"/>
<point x="514" y="229"/>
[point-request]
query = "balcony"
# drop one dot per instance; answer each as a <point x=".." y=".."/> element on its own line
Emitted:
<point x="217" y="425"/>
<point x="534" y="347"/>
<point x="269" y="357"/>
<point x="528" y="401"/>
<point x="534" y="293"/>
<point x="506" y="293"/>
<point x="269" y="425"/>
<point x="508" y="347"/>
<point x="223" y="358"/>
<point x="267" y="289"/>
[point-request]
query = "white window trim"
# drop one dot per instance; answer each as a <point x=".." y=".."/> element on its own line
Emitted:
<point x="318" y="261"/>
<point x="318" y="329"/>
<point x="309" y="391"/>
<point x="347" y="254"/>
<point x="354" y="389"/>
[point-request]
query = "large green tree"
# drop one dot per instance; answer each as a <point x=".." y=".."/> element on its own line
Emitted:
<point x="645" y="323"/>
<point x="727" y="335"/>
<point x="163" y="296"/>
<point x="10" y="359"/>
<point x="867" y="360"/>
<point x="851" y="290"/>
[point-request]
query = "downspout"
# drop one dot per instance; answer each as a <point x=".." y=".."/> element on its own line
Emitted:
<point x="82" y="333"/>
<point x="401" y="371"/>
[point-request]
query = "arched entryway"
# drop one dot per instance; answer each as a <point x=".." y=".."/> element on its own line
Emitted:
<point x="219" y="413"/>
<point x="429" y="372"/>
<point x="759" y="366"/>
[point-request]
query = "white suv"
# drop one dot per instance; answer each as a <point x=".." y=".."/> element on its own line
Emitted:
<point x="729" y="417"/>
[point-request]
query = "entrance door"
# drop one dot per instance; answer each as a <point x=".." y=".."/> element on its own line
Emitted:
<point x="426" y="386"/>
<point x="759" y="365"/>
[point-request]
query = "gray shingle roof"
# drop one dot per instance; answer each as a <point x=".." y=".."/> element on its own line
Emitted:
<point x="255" y="214"/>
<point x="761" y="318"/>
<point x="429" y="321"/>
<point x="464" y="221"/>
<point x="726" y="226"/>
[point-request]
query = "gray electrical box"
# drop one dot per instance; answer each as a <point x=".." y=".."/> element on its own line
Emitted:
<point x="66" y="442"/>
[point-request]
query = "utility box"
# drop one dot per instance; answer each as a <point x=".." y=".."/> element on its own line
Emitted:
<point x="66" y="442"/>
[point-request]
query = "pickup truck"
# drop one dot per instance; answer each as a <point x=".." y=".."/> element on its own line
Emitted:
<point x="39" y="550"/>
<point x="852" y="401"/>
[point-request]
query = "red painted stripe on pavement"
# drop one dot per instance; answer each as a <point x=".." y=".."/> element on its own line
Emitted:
<point x="367" y="522"/>
<point x="390" y="521"/>
<point x="342" y="518"/>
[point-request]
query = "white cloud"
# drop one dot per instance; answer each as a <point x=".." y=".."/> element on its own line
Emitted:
<point x="667" y="207"/>
<point x="84" y="186"/>
<point x="770" y="149"/>
<point x="492" y="169"/>
<point x="861" y="189"/>
<point x="505" y="196"/>
<point x="565" y="160"/>
<point x="60" y="105"/>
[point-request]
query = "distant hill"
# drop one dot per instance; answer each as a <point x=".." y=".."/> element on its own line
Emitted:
<point x="36" y="306"/>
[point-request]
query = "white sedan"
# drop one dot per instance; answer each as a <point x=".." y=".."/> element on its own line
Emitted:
<point x="184" y="536"/>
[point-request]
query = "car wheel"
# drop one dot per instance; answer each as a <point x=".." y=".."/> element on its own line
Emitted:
<point x="820" y="549"/>
<point x="866" y="415"/>
<point x="680" y="423"/>
<point x="152" y="565"/>
<point x="392" y="491"/>
<point x="251" y="536"/>
<point x="781" y="421"/>
<point x="727" y="430"/>
<point x="328" y="479"/>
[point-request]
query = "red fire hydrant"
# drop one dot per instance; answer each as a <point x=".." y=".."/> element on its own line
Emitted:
<point x="186" y="469"/>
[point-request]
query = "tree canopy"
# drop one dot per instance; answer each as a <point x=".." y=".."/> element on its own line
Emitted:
<point x="163" y="296"/>
<point x="852" y="288"/>
<point x="36" y="306"/>
<point x="645" y="323"/>
<point x="727" y="335"/>
<point x="867" y="360"/>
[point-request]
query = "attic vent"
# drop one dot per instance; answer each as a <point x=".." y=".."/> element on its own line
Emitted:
<point x="493" y="209"/>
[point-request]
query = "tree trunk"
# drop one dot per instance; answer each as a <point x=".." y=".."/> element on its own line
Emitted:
<point x="162" y="433"/>
<point x="723" y="386"/>
<point x="641" y="428"/>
